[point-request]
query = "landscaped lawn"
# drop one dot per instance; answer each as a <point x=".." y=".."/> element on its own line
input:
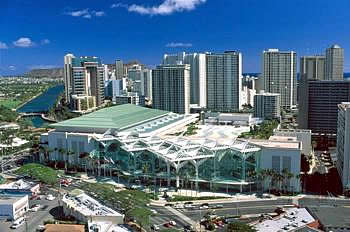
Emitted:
<point x="40" y="172"/>
<point x="10" y="103"/>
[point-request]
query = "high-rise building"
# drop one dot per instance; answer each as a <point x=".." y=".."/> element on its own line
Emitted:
<point x="88" y="78"/>
<point x="279" y="73"/>
<point x="171" y="88"/>
<point x="68" y="76"/>
<point x="311" y="68"/>
<point x="114" y="88"/>
<point x="119" y="69"/>
<point x="146" y="83"/>
<point x="267" y="105"/>
<point x="334" y="69"/>
<point x="322" y="98"/>
<point x="343" y="143"/>
<point x="224" y="81"/>
<point x="197" y="63"/>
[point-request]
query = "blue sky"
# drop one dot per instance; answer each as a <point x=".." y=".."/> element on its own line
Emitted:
<point x="38" y="33"/>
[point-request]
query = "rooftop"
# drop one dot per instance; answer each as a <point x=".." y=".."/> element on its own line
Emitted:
<point x="276" y="144"/>
<point x="10" y="199"/>
<point x="19" y="184"/>
<point x="293" y="218"/>
<point x="88" y="206"/>
<point x="64" y="228"/>
<point x="116" y="117"/>
<point x="107" y="227"/>
<point x="331" y="217"/>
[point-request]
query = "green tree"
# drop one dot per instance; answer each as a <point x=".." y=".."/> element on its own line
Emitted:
<point x="240" y="227"/>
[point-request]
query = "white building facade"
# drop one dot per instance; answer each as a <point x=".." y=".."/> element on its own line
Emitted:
<point x="13" y="207"/>
<point x="280" y="76"/>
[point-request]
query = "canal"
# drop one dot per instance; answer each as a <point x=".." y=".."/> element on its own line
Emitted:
<point x="42" y="103"/>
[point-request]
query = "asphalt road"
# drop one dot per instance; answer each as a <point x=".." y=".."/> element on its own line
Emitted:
<point x="33" y="218"/>
<point x="230" y="208"/>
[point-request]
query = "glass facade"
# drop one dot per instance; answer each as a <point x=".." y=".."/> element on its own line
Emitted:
<point x="177" y="159"/>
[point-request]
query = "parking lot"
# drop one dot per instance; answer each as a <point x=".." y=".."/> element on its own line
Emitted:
<point x="46" y="212"/>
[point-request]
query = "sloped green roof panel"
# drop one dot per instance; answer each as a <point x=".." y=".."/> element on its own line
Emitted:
<point x="116" y="117"/>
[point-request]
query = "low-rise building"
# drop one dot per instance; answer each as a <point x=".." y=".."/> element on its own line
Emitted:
<point x="13" y="207"/>
<point x="228" y="118"/>
<point x="304" y="136"/>
<point x="280" y="153"/>
<point x="64" y="228"/>
<point x="84" y="209"/>
<point x="291" y="220"/>
<point x="20" y="187"/>
<point x="335" y="219"/>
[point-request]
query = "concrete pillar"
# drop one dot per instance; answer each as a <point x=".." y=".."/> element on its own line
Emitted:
<point x="177" y="177"/>
<point x="196" y="177"/>
<point x="168" y="173"/>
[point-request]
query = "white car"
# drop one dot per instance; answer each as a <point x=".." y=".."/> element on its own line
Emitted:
<point x="35" y="208"/>
<point x="155" y="227"/>
<point x="50" y="197"/>
<point x="18" y="223"/>
<point x="173" y="223"/>
<point x="40" y="228"/>
<point x="153" y="211"/>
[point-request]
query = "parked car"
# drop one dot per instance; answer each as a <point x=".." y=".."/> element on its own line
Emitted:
<point x="50" y="197"/>
<point x="189" y="228"/>
<point x="155" y="227"/>
<point x="40" y="228"/>
<point x="153" y="211"/>
<point x="173" y="223"/>
<point x="35" y="208"/>
<point x="17" y="223"/>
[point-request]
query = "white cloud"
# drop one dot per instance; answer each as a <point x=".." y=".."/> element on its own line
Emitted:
<point x="3" y="45"/>
<point x="24" y="42"/>
<point x="42" y="66"/>
<point x="87" y="16"/>
<point x="166" y="8"/>
<point x="86" y="13"/>
<point x="177" y="45"/>
<point x="12" y="68"/>
<point x="78" y="13"/>
<point x="45" y="41"/>
<point x="99" y="13"/>
<point x="115" y="5"/>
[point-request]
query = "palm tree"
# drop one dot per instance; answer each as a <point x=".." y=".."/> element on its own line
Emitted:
<point x="297" y="178"/>
<point x="289" y="176"/>
<point x="67" y="160"/>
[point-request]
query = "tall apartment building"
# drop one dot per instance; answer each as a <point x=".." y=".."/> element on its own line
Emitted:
<point x="334" y="66"/>
<point x="171" y="88"/>
<point x="146" y="83"/>
<point x="343" y="143"/>
<point x="279" y="73"/>
<point x="322" y="98"/>
<point x="119" y="69"/>
<point x="88" y="78"/>
<point x="197" y="63"/>
<point x="224" y="81"/>
<point x="68" y="76"/>
<point x="311" y="68"/>
<point x="267" y="105"/>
